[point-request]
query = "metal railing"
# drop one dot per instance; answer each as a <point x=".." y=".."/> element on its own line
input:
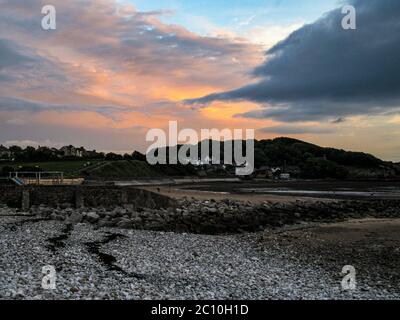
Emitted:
<point x="38" y="177"/>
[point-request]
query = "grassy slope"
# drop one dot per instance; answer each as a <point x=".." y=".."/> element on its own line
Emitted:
<point x="122" y="169"/>
<point x="68" y="167"/>
<point x="96" y="169"/>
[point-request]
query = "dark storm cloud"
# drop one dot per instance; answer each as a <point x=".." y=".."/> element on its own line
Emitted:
<point x="296" y="129"/>
<point x="322" y="71"/>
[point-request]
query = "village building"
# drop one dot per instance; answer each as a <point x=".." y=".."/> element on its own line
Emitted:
<point x="5" y="153"/>
<point x="71" y="151"/>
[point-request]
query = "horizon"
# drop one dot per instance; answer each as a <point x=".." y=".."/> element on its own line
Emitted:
<point x="113" y="70"/>
<point x="129" y="152"/>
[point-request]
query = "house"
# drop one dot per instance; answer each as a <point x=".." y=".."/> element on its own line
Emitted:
<point x="71" y="151"/>
<point x="284" y="176"/>
<point x="294" y="171"/>
<point x="81" y="152"/>
<point x="47" y="150"/>
<point x="5" y="153"/>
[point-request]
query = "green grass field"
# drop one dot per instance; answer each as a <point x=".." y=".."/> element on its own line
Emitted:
<point x="122" y="169"/>
<point x="94" y="169"/>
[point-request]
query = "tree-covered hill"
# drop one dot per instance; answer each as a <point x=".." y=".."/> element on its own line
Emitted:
<point x="312" y="161"/>
<point x="306" y="160"/>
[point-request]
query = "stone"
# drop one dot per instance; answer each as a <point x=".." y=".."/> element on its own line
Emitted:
<point x="137" y="220"/>
<point x="92" y="217"/>
<point x="124" y="223"/>
<point x="75" y="217"/>
<point x="25" y="200"/>
<point x="55" y="216"/>
<point x="65" y="205"/>
<point x="79" y="200"/>
<point x="105" y="223"/>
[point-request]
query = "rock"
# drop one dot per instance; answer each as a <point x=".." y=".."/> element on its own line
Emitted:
<point x="55" y="216"/>
<point x="213" y="210"/>
<point x="105" y="223"/>
<point x="92" y="217"/>
<point x="137" y="220"/>
<point x="170" y="210"/>
<point x="65" y="205"/>
<point x="124" y="223"/>
<point x="74" y="218"/>
<point x="113" y="213"/>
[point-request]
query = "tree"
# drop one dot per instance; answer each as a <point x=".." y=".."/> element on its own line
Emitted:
<point x="113" y="156"/>
<point x="136" y="155"/>
<point x="318" y="168"/>
<point x="6" y="171"/>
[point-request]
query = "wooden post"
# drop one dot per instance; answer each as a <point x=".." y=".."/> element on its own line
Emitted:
<point x="124" y="197"/>
<point x="25" y="200"/>
<point x="79" y="200"/>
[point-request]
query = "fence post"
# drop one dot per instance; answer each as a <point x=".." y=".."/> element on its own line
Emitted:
<point x="79" y="200"/>
<point x="124" y="197"/>
<point x="25" y="200"/>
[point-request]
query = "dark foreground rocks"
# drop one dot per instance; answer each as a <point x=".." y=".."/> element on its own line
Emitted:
<point x="114" y="263"/>
<point x="219" y="217"/>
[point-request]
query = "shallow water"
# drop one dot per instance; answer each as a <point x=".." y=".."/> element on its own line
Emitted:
<point x="392" y="193"/>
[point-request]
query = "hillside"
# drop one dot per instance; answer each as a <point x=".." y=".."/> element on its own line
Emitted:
<point x="306" y="160"/>
<point x="120" y="169"/>
<point x="300" y="159"/>
<point x="312" y="161"/>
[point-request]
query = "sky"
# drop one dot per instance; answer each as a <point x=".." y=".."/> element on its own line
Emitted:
<point x="112" y="70"/>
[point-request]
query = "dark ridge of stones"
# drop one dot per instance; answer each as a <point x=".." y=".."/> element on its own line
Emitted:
<point x="223" y="217"/>
<point x="108" y="260"/>
<point x="12" y="226"/>
<point x="55" y="243"/>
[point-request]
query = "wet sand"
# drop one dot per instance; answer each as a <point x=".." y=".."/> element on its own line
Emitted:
<point x="180" y="192"/>
<point x="257" y="191"/>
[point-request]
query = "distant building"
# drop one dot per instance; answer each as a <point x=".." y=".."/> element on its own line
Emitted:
<point x="48" y="150"/>
<point x="71" y="151"/>
<point x="81" y="152"/>
<point x="294" y="171"/>
<point x="5" y="153"/>
<point x="284" y="176"/>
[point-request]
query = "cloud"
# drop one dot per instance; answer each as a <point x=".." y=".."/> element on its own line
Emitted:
<point x="287" y="129"/>
<point x="323" y="72"/>
<point x="16" y="59"/>
<point x="107" y="53"/>
<point x="339" y="120"/>
<point x="33" y="143"/>
<point x="10" y="56"/>
<point x="18" y="105"/>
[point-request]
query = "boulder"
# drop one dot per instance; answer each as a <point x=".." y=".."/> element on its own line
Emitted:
<point x="124" y="223"/>
<point x="74" y="218"/>
<point x="105" y="223"/>
<point x="297" y="215"/>
<point x="92" y="217"/>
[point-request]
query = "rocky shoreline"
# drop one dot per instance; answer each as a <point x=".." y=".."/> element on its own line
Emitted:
<point x="302" y="262"/>
<point x="217" y="217"/>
